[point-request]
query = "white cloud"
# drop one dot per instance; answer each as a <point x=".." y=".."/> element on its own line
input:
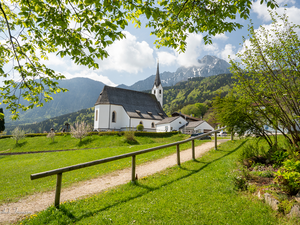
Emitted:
<point x="128" y="55"/>
<point x="193" y="50"/>
<point x="92" y="75"/>
<point x="220" y="37"/>
<point x="262" y="11"/>
<point x="227" y="51"/>
<point x="166" y="58"/>
<point x="213" y="48"/>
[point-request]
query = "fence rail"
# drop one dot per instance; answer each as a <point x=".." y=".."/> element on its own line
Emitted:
<point x="60" y="171"/>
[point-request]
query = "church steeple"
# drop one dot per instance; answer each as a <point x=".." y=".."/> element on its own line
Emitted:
<point x="157" y="89"/>
<point x="157" y="78"/>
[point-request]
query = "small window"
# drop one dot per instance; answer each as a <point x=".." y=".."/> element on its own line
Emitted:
<point x="96" y="119"/>
<point x="113" y="117"/>
<point x="154" y="92"/>
<point x="159" y="91"/>
<point x="152" y="125"/>
<point x="179" y="122"/>
<point x="141" y="122"/>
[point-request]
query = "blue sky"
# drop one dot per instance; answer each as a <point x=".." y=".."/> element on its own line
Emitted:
<point x="134" y="58"/>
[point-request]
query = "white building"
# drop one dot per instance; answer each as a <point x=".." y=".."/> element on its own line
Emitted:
<point x="170" y="124"/>
<point x="197" y="127"/>
<point x="120" y="109"/>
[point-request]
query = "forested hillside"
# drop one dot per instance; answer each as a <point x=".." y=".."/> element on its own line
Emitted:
<point x="58" y="123"/>
<point x="196" y="90"/>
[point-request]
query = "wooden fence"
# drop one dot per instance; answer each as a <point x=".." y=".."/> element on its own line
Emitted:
<point x="60" y="171"/>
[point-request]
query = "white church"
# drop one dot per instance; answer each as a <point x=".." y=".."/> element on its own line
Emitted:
<point x="120" y="109"/>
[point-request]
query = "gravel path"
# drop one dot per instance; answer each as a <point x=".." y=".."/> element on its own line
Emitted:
<point x="12" y="212"/>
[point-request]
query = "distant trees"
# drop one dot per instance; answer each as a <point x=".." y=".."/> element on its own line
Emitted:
<point x="2" y="121"/>
<point x="80" y="130"/>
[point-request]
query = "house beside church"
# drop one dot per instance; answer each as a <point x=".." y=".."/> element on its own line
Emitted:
<point x="120" y="109"/>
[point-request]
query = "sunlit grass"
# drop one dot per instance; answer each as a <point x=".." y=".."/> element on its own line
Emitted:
<point x="16" y="169"/>
<point x="198" y="192"/>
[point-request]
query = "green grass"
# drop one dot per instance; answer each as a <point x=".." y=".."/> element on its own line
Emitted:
<point x="16" y="169"/>
<point x="198" y="192"/>
<point x="43" y="143"/>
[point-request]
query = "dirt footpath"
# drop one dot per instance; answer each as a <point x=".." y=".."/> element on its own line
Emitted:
<point x="32" y="204"/>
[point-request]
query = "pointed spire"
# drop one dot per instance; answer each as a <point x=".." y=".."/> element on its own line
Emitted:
<point x="157" y="78"/>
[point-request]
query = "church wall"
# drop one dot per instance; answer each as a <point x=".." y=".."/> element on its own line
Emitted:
<point x="146" y="124"/>
<point x="122" y="118"/>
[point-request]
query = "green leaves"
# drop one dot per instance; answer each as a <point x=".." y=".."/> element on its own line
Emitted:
<point x="83" y="29"/>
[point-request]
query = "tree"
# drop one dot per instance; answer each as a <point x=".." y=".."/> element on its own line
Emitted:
<point x="269" y="77"/>
<point x="81" y="30"/>
<point x="18" y="134"/>
<point x="80" y="130"/>
<point x="51" y="135"/>
<point x="2" y="121"/>
<point x="197" y="110"/>
<point x="238" y="116"/>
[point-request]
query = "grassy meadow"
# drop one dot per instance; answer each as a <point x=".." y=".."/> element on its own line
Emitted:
<point x="16" y="169"/>
<point x="198" y="192"/>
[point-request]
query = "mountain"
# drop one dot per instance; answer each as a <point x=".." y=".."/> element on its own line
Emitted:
<point x="208" y="66"/>
<point x="82" y="94"/>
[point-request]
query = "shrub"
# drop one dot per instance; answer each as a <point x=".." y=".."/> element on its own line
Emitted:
<point x="18" y="134"/>
<point x="129" y="135"/>
<point x="252" y="154"/>
<point x="288" y="176"/>
<point x="79" y="131"/>
<point x="140" y="127"/>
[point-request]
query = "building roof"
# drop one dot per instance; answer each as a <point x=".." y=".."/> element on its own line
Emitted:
<point x="157" y="78"/>
<point x="194" y="124"/>
<point x="168" y="120"/>
<point x="136" y="104"/>
<point x="187" y="117"/>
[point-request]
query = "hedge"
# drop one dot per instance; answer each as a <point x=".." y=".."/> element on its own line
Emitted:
<point x="103" y="133"/>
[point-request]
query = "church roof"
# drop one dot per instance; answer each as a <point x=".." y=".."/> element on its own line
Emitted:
<point x="157" y="78"/>
<point x="136" y="104"/>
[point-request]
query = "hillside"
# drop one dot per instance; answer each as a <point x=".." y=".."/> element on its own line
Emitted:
<point x="196" y="90"/>
<point x="58" y="123"/>
<point x="82" y="94"/>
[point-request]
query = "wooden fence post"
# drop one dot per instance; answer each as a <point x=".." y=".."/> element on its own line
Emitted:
<point x="133" y="169"/>
<point x="193" y="149"/>
<point x="216" y="141"/>
<point x="58" y="190"/>
<point x="178" y="155"/>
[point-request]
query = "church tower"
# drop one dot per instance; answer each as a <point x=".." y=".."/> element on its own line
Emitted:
<point x="157" y="89"/>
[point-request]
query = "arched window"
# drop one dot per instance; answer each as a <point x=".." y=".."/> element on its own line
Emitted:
<point x="96" y="115"/>
<point x="113" y="117"/>
<point x="154" y="92"/>
<point x="141" y="122"/>
<point x="152" y="125"/>
<point x="159" y="91"/>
